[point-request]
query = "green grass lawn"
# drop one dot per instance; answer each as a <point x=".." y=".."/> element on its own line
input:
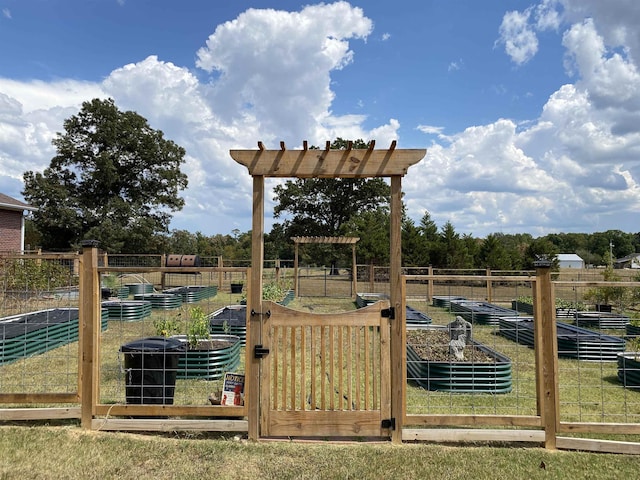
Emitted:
<point x="63" y="452"/>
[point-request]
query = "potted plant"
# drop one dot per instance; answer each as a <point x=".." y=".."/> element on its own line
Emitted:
<point x="237" y="286"/>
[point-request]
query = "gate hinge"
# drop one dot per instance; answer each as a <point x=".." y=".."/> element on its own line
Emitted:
<point x="259" y="351"/>
<point x="389" y="423"/>
<point x="389" y="313"/>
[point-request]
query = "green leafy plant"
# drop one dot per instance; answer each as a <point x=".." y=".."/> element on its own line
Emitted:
<point x="192" y="322"/>
<point x="166" y="327"/>
<point x="606" y="295"/>
<point x="36" y="275"/>
<point x="197" y="326"/>
<point x="273" y="291"/>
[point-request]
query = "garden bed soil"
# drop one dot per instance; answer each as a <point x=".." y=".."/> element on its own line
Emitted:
<point x="433" y="345"/>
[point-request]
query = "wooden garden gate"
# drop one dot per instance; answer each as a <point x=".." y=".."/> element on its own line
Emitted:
<point x="325" y="374"/>
<point x="266" y="418"/>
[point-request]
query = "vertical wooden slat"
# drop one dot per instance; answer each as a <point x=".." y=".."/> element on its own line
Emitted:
<point x="303" y="369"/>
<point x="367" y="371"/>
<point x="323" y="368"/>
<point x="312" y="366"/>
<point x="332" y="370"/>
<point x="358" y="332"/>
<point x="294" y="377"/>
<point x="283" y="347"/>
<point x="349" y="368"/>
<point x="341" y="367"/>
<point x="376" y="366"/>
<point x="275" y="378"/>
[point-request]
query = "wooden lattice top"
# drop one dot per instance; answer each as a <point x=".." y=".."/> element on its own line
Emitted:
<point x="343" y="240"/>
<point x="328" y="163"/>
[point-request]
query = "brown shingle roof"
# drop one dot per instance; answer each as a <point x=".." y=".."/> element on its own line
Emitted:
<point x="10" y="203"/>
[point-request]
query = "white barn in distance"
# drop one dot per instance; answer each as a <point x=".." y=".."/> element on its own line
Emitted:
<point x="570" y="260"/>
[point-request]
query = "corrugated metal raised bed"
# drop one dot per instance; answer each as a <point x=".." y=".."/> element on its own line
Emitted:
<point x="366" y="299"/>
<point x="37" y="332"/>
<point x="136" y="288"/>
<point x="481" y="312"/>
<point x="211" y="359"/>
<point x="526" y="307"/>
<point x="602" y="320"/>
<point x="487" y="371"/>
<point x="444" y="301"/>
<point x="632" y="330"/>
<point x="127" y="310"/>
<point x="573" y="342"/>
<point x="629" y="369"/>
<point x="414" y="318"/>
<point x="231" y="320"/>
<point x="161" y="301"/>
<point x="193" y="293"/>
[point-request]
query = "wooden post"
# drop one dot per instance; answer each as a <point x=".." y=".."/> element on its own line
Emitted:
<point x="295" y="271"/>
<point x="546" y="352"/>
<point x="372" y="273"/>
<point x="220" y="273"/>
<point x="398" y="334"/>
<point x="277" y="270"/>
<point x="489" y="290"/>
<point x="89" y="330"/>
<point x="254" y="303"/>
<point x="354" y="272"/>
<point x="430" y="285"/>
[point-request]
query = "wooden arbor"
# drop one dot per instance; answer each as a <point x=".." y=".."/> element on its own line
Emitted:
<point x="334" y="240"/>
<point x="327" y="163"/>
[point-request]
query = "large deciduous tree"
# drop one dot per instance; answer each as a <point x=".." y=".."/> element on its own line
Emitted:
<point x="113" y="179"/>
<point x="325" y="206"/>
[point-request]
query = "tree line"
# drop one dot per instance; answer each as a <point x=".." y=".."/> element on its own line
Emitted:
<point x="117" y="180"/>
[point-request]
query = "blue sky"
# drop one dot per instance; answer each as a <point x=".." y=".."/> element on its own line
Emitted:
<point x="529" y="110"/>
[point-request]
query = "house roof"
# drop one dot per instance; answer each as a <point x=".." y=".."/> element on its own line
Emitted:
<point x="10" y="203"/>
<point x="569" y="257"/>
<point x="628" y="258"/>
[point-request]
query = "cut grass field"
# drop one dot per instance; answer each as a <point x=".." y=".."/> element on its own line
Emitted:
<point x="64" y="452"/>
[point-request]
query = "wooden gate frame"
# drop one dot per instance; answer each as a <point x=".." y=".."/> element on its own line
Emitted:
<point x="328" y="163"/>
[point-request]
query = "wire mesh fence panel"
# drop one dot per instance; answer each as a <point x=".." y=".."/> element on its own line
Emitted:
<point x="134" y="369"/>
<point x="38" y="327"/>
<point x="596" y="347"/>
<point x="458" y="363"/>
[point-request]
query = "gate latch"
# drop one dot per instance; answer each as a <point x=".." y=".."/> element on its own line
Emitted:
<point x="388" y="423"/>
<point x="259" y="351"/>
<point x="389" y="313"/>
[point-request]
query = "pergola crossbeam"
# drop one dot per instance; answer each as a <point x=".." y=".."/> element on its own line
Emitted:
<point x="328" y="163"/>
<point x="342" y="240"/>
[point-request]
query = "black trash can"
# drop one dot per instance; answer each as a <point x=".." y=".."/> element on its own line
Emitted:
<point x="150" y="367"/>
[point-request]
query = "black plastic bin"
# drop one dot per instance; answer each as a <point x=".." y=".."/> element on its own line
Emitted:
<point x="150" y="367"/>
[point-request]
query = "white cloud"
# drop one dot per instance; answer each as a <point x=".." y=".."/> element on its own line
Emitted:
<point x="455" y="65"/>
<point x="269" y="80"/>
<point x="519" y="39"/>
<point x="6" y="13"/>
<point x="576" y="167"/>
<point x="430" y="129"/>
